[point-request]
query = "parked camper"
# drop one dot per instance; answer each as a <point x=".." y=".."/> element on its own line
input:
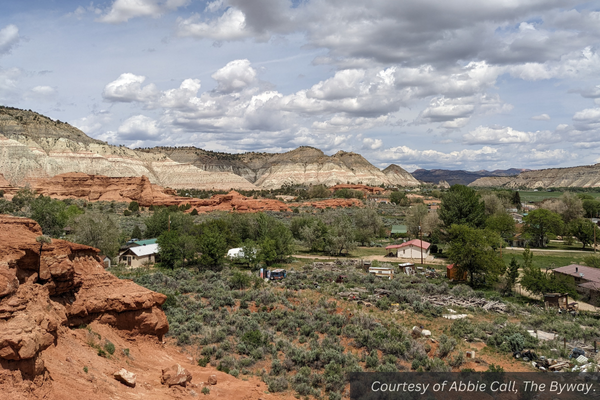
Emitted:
<point x="278" y="274"/>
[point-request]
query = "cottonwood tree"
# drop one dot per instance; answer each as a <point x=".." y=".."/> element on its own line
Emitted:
<point x="583" y="229"/>
<point x="416" y="217"/>
<point x="502" y="223"/>
<point x="97" y="230"/>
<point x="473" y="251"/>
<point x="538" y="224"/>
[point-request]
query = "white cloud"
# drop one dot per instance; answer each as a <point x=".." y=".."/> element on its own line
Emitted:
<point x="371" y="144"/>
<point x="9" y="37"/>
<point x="124" y="10"/>
<point x="229" y="26"/>
<point x="587" y="120"/>
<point x="500" y="136"/>
<point x="541" y="117"/>
<point x="139" y="127"/>
<point x="407" y="155"/>
<point x="128" y="88"/>
<point x="235" y="76"/>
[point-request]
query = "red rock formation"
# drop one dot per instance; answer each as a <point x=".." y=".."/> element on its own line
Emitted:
<point x="102" y="188"/>
<point x="363" y="188"/>
<point x="233" y="201"/>
<point x="46" y="285"/>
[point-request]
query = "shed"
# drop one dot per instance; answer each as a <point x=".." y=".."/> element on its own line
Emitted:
<point x="453" y="274"/>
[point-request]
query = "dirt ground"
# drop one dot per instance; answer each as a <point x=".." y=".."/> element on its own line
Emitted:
<point x="68" y="361"/>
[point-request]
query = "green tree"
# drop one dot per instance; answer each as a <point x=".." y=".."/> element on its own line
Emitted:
<point x="169" y="249"/>
<point x="462" y="205"/>
<point x="416" y="218"/>
<point x="512" y="276"/>
<point x="502" y="223"/>
<point x="583" y="229"/>
<point x="368" y="225"/>
<point x="541" y="222"/>
<point x="591" y="207"/>
<point x="493" y="204"/>
<point x="538" y="282"/>
<point x="341" y="233"/>
<point x="213" y="248"/>
<point x="136" y="233"/>
<point x="516" y="199"/>
<point x="399" y="198"/>
<point x="319" y="192"/>
<point x="592" y="261"/>
<point x="159" y="222"/>
<point x="573" y="207"/>
<point x="52" y="215"/>
<point x="97" y="230"/>
<point x="472" y="250"/>
<point x="134" y="206"/>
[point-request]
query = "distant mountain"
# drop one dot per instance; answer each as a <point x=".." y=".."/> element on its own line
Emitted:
<point x="581" y="176"/>
<point x="460" y="177"/>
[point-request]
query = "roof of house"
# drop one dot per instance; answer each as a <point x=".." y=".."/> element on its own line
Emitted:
<point x="580" y="271"/>
<point x="450" y="266"/>
<point x="399" y="229"/>
<point x="415" y="242"/>
<point x="145" y="242"/>
<point x="590" y="285"/>
<point x="146" y="250"/>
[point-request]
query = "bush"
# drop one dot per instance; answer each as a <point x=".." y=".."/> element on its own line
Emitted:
<point x="205" y="390"/>
<point x="278" y="384"/>
<point x="446" y="346"/>
<point x="204" y="361"/>
<point x="109" y="347"/>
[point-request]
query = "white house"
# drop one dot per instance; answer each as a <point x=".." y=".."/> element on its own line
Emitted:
<point x="411" y="249"/>
<point x="139" y="255"/>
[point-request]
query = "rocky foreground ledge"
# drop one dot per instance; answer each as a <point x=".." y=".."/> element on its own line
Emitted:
<point x="46" y="287"/>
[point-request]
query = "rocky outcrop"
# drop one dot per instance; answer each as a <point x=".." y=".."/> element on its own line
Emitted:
<point x="103" y="188"/>
<point x="33" y="146"/>
<point x="302" y="166"/>
<point x="400" y="177"/>
<point x="233" y="201"/>
<point x="48" y="285"/>
<point x="583" y="176"/>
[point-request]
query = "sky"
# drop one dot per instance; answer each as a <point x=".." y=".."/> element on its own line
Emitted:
<point x="452" y="84"/>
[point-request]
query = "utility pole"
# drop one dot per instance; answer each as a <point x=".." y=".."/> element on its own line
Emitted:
<point x="421" y="245"/>
<point x="595" y="226"/>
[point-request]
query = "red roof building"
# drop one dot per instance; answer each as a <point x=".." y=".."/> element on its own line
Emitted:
<point x="411" y="249"/>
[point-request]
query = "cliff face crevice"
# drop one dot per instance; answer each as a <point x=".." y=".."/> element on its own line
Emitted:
<point x="44" y="287"/>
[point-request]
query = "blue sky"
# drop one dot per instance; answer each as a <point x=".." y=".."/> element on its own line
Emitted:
<point x="450" y="84"/>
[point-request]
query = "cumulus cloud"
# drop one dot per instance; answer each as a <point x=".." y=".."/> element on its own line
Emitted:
<point x="128" y="88"/>
<point x="124" y="10"/>
<point x="236" y="75"/>
<point x="371" y="144"/>
<point x="9" y="37"/>
<point x="502" y="136"/>
<point x="139" y="127"/>
<point x="541" y="117"/>
<point x="587" y="120"/>
<point x="407" y="155"/>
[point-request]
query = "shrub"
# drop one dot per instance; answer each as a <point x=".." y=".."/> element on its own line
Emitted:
<point x="85" y="369"/>
<point x="203" y="361"/>
<point x="446" y="346"/>
<point x="205" y="390"/>
<point x="234" y="372"/>
<point x="109" y="347"/>
<point x="278" y="384"/>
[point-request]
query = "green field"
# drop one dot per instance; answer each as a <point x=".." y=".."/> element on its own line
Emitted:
<point x="531" y="196"/>
<point x="546" y="259"/>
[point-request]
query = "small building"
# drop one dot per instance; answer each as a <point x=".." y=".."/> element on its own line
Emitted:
<point x="398" y="230"/>
<point x="106" y="261"/>
<point x="411" y="249"/>
<point x="556" y="300"/>
<point x="453" y="274"/>
<point x="138" y="256"/>
<point x="586" y="278"/>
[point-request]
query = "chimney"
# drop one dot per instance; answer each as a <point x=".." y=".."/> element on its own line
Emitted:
<point x="576" y="269"/>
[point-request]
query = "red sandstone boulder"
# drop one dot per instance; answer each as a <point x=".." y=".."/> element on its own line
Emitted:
<point x="175" y="375"/>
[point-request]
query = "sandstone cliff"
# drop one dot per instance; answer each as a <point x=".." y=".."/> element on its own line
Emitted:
<point x="34" y="146"/>
<point x="584" y="176"/>
<point x="302" y="166"/>
<point x="47" y="286"/>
